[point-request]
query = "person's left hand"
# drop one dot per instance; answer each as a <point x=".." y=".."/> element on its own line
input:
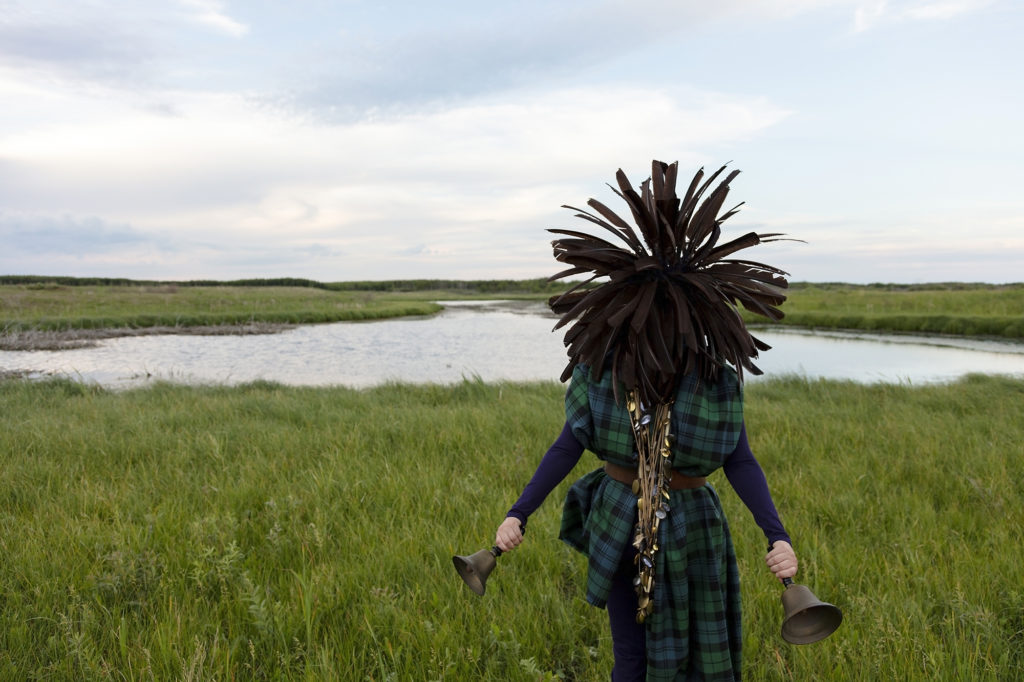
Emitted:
<point x="781" y="559"/>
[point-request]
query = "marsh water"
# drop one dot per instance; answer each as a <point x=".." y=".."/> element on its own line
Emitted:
<point x="490" y="340"/>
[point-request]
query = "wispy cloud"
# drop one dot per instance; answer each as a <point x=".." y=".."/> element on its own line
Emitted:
<point x="72" y="41"/>
<point x="360" y="139"/>
<point x="225" y="151"/>
<point x="132" y="45"/>
<point x="874" y="13"/>
<point x="466" y="55"/>
<point x="945" y="9"/>
<point x="28" y="234"/>
<point x="211" y="13"/>
<point x="470" y="184"/>
<point x="869" y="14"/>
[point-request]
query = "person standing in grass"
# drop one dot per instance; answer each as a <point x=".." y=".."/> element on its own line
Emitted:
<point x="657" y="353"/>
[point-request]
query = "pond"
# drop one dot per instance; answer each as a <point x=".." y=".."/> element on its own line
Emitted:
<point x="492" y="340"/>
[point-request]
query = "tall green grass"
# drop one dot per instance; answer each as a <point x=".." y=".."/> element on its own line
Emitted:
<point x="24" y="308"/>
<point x="264" y="532"/>
<point x="956" y="309"/>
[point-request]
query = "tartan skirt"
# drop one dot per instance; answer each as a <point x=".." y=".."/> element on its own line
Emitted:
<point x="694" y="631"/>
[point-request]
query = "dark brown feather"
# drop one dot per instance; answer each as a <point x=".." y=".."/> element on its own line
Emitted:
<point x="666" y="304"/>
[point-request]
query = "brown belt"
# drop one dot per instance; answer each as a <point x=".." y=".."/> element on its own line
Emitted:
<point x="676" y="481"/>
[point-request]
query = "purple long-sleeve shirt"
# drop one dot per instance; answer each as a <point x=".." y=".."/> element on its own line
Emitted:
<point x="741" y="469"/>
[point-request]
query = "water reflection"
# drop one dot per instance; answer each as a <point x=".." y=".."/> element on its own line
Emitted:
<point x="885" y="358"/>
<point x="494" y="340"/>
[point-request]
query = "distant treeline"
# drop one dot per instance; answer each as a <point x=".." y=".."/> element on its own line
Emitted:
<point x="486" y="286"/>
<point x="43" y="281"/>
<point x="539" y="285"/>
<point x="525" y="286"/>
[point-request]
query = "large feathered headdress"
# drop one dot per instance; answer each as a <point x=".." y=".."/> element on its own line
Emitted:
<point x="669" y="305"/>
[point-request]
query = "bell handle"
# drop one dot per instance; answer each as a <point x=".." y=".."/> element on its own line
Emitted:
<point x="785" y="581"/>
<point x="496" y="551"/>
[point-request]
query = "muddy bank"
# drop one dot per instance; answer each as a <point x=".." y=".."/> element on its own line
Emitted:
<point x="69" y="339"/>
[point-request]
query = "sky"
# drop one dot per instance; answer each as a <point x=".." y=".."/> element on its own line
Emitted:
<point x="370" y="140"/>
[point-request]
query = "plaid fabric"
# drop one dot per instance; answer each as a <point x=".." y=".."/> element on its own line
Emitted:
<point x="694" y="632"/>
<point x="706" y="421"/>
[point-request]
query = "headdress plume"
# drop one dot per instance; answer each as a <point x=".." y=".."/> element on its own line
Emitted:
<point x="669" y="301"/>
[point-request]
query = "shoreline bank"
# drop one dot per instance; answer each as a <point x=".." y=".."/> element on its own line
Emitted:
<point x="71" y="339"/>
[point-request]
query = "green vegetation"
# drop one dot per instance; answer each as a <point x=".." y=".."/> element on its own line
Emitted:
<point x="958" y="309"/>
<point x="30" y="303"/>
<point x="264" y="532"/>
<point x="504" y="287"/>
<point x="29" y="308"/>
<point x="489" y="286"/>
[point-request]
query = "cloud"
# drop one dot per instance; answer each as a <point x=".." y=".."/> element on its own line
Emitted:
<point x="869" y="14"/>
<point x="414" y="193"/>
<point x="465" y="58"/>
<point x="210" y="13"/>
<point x="944" y="9"/>
<point x="362" y="60"/>
<point x="132" y="45"/>
<point x="31" y="234"/>
<point x="401" y="139"/>
<point x="88" y="245"/>
<point x="874" y="13"/>
<point x="226" y="157"/>
<point x="73" y="41"/>
<point x="85" y="245"/>
<point x="972" y="243"/>
<point x="455" y="59"/>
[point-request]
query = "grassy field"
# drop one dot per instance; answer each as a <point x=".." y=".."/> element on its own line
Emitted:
<point x="45" y="308"/>
<point x="263" y="532"/>
<point x="959" y="309"/>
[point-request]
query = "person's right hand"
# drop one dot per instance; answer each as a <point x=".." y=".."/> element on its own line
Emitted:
<point x="509" y="535"/>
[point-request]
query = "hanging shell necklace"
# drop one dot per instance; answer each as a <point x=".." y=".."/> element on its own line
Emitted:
<point x="653" y="444"/>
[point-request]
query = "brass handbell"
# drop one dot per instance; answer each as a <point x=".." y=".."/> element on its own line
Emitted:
<point x="807" y="619"/>
<point x="475" y="568"/>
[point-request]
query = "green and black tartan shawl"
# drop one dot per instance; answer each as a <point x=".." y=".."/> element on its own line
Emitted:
<point x="695" y="626"/>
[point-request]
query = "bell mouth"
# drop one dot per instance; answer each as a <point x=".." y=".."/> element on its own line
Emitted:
<point x="469" y="575"/>
<point x="475" y="568"/>
<point x="807" y="619"/>
<point x="812" y="624"/>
